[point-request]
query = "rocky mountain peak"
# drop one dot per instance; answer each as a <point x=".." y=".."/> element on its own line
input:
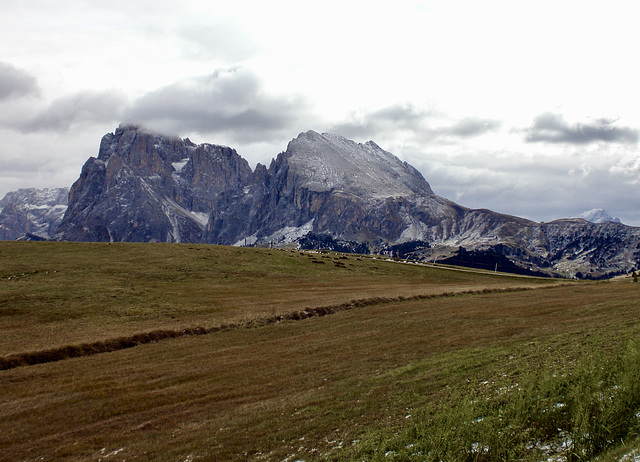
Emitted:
<point x="598" y="216"/>
<point x="328" y="162"/>
<point x="148" y="187"/>
<point x="143" y="152"/>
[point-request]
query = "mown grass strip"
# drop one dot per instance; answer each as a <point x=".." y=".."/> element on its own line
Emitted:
<point x="122" y="343"/>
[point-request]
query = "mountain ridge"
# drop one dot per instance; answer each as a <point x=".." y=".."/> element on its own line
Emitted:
<point x="323" y="191"/>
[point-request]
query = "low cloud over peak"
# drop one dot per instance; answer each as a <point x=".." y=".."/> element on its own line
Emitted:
<point x="231" y="101"/>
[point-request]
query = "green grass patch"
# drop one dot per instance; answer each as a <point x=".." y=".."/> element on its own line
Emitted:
<point x="574" y="410"/>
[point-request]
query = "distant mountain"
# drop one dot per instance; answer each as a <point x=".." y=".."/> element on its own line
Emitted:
<point x="323" y="191"/>
<point x="598" y="216"/>
<point x="32" y="213"/>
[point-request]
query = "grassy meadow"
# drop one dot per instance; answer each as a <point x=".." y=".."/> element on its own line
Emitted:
<point x="307" y="357"/>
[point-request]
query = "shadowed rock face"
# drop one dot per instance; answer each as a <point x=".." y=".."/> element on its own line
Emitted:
<point x="151" y="188"/>
<point x="148" y="188"/>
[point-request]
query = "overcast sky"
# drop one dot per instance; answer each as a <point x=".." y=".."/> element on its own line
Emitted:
<point x="523" y="107"/>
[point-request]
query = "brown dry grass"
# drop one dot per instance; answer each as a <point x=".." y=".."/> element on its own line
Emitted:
<point x="55" y="295"/>
<point x="301" y="389"/>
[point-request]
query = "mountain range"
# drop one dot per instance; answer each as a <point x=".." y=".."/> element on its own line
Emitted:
<point x="323" y="191"/>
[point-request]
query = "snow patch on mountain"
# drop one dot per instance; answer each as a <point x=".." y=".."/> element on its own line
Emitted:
<point x="290" y="234"/>
<point x="283" y="236"/>
<point x="201" y="217"/>
<point x="247" y="241"/>
<point x="178" y="166"/>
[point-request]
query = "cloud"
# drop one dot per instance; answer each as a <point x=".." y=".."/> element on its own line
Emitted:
<point x="83" y="108"/>
<point x="385" y="120"/>
<point x="470" y="127"/>
<point x="231" y="101"/>
<point x="421" y="125"/>
<point x="15" y="83"/>
<point x="553" y="128"/>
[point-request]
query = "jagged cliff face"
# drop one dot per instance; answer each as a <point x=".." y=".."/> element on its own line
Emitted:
<point x="330" y="185"/>
<point x="324" y="190"/>
<point x="326" y="184"/>
<point x="32" y="213"/>
<point x="148" y="188"/>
